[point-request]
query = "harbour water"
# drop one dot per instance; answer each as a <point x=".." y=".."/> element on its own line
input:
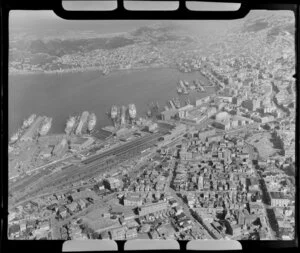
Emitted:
<point x="64" y="94"/>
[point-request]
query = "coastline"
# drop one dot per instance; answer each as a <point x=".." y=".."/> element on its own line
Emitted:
<point x="82" y="70"/>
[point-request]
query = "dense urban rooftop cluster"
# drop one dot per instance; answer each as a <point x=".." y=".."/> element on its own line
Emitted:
<point x="220" y="168"/>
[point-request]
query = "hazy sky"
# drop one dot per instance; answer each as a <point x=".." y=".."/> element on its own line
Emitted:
<point x="150" y="5"/>
<point x="46" y="23"/>
<point x="35" y="16"/>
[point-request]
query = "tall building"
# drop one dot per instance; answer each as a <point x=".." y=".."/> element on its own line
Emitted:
<point x="200" y="183"/>
<point x="237" y="100"/>
<point x="227" y="156"/>
<point x="251" y="104"/>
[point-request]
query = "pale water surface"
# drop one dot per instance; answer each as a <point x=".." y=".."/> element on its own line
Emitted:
<point x="61" y="95"/>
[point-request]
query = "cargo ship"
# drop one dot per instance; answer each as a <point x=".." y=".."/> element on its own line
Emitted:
<point x="201" y="89"/>
<point x="186" y="83"/>
<point x="132" y="111"/>
<point x="176" y="102"/>
<point x="15" y="137"/>
<point x="149" y="113"/>
<point x="183" y="87"/>
<point x="29" y="121"/>
<point x="172" y="104"/>
<point x="77" y="119"/>
<point x="82" y="125"/>
<point x="185" y="91"/>
<point x="33" y="130"/>
<point x="199" y="86"/>
<point x="71" y="123"/>
<point x="114" y="112"/>
<point x="179" y="90"/>
<point x="153" y="110"/>
<point x="193" y="86"/>
<point x="26" y="124"/>
<point x="45" y="126"/>
<point x="123" y="115"/>
<point x="92" y="120"/>
<point x="181" y="84"/>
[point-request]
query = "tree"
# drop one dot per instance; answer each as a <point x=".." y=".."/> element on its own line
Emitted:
<point x="95" y="235"/>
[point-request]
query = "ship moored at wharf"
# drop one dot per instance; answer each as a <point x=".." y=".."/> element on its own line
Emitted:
<point x="45" y="126"/>
<point x="71" y="122"/>
<point x="20" y="132"/>
<point x="32" y="128"/>
<point x="81" y="124"/>
<point x="92" y="120"/>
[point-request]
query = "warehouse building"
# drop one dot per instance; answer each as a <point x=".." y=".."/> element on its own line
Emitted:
<point x="278" y="199"/>
<point x="168" y="114"/>
<point x="81" y="143"/>
<point x="153" y="208"/>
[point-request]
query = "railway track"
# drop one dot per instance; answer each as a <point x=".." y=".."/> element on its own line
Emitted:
<point x="94" y="165"/>
<point x="124" y="147"/>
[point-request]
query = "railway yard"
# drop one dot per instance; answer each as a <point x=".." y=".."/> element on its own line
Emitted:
<point x="47" y="181"/>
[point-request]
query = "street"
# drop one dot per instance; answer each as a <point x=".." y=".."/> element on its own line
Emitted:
<point x="253" y="156"/>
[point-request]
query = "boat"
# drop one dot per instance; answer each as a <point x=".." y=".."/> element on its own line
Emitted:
<point x="154" y="107"/>
<point x="157" y="106"/>
<point x="192" y="86"/>
<point x="114" y="112"/>
<point x="123" y="115"/>
<point x="185" y="91"/>
<point x="70" y="124"/>
<point x="201" y="89"/>
<point x="29" y="121"/>
<point x="82" y="125"/>
<point x="176" y="102"/>
<point x="181" y="84"/>
<point x="179" y="90"/>
<point x="172" y="104"/>
<point x="132" y="111"/>
<point x="198" y="84"/>
<point x="45" y="126"/>
<point x="92" y="120"/>
<point x="149" y="113"/>
<point x="15" y="137"/>
<point x="105" y="71"/>
<point x="187" y="102"/>
<point x="77" y="119"/>
<point x="186" y="83"/>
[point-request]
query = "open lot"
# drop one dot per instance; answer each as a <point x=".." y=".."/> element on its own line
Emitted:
<point x="263" y="144"/>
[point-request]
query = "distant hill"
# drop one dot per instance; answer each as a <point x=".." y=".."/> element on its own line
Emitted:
<point x="62" y="47"/>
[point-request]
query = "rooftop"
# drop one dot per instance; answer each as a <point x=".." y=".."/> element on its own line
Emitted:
<point x="277" y="195"/>
<point x="79" y="140"/>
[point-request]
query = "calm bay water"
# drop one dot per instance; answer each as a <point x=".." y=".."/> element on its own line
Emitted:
<point x="61" y="95"/>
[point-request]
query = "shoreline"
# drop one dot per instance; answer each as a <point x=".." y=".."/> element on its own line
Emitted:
<point x="89" y="69"/>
